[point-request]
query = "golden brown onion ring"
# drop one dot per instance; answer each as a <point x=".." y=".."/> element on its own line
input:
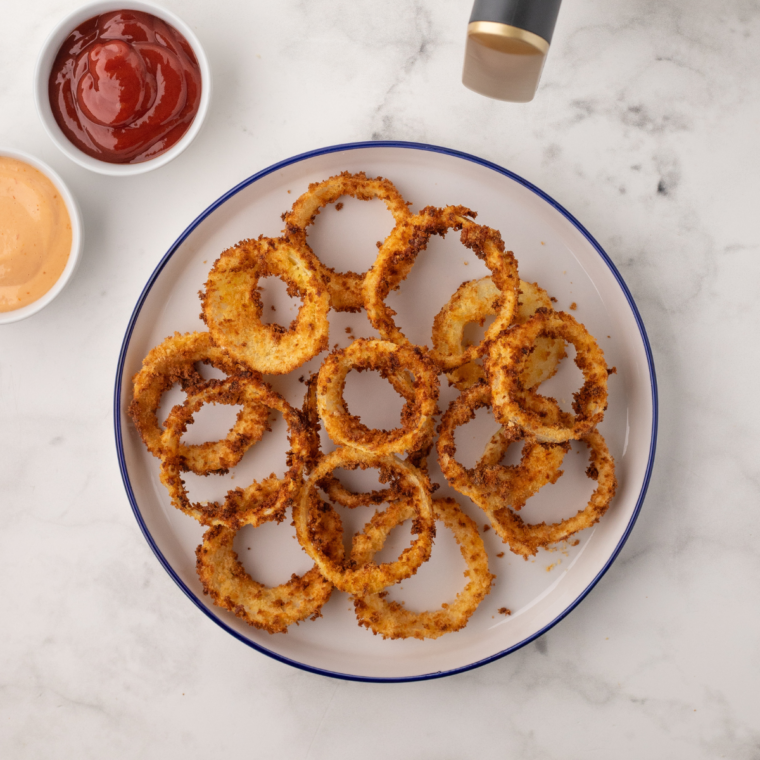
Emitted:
<point x="492" y="485"/>
<point x="525" y="539"/>
<point x="174" y="361"/>
<point x="400" y="250"/>
<point x="259" y="501"/>
<point x="345" y="288"/>
<point x="336" y="492"/>
<point x="270" y="609"/>
<point x="393" y="621"/>
<point x="368" y="578"/>
<point x="387" y="359"/>
<point x="473" y="302"/>
<point x="232" y="306"/>
<point x="514" y="404"/>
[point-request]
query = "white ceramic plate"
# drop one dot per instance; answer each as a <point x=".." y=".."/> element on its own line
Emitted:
<point x="552" y="248"/>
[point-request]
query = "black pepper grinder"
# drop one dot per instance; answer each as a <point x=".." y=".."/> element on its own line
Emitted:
<point x="507" y="44"/>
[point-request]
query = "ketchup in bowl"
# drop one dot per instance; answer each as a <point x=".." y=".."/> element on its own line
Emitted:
<point x="125" y="87"/>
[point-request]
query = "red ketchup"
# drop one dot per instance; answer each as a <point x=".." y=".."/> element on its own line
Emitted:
<point x="125" y="87"/>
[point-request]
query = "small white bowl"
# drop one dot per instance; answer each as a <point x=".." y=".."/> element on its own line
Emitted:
<point x="45" y="64"/>
<point x="77" y="239"/>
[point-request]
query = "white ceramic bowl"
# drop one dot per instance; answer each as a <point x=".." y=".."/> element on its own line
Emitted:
<point x="77" y="239"/>
<point x="45" y="63"/>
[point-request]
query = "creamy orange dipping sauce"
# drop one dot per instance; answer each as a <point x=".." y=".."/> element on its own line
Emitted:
<point x="35" y="234"/>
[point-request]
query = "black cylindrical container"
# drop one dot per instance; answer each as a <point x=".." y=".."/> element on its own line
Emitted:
<point x="507" y="44"/>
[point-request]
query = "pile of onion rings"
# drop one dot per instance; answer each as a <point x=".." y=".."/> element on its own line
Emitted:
<point x="503" y="372"/>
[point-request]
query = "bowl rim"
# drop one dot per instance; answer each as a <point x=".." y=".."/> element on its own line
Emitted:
<point x="117" y="408"/>
<point x="47" y="55"/>
<point x="77" y="237"/>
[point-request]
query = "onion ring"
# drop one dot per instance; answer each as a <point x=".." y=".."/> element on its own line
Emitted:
<point x="232" y="306"/>
<point x="400" y="250"/>
<point x="492" y="485"/>
<point x="345" y="288"/>
<point x="270" y="609"/>
<point x="336" y="492"/>
<point x="369" y="577"/>
<point x="258" y="502"/>
<point x="525" y="539"/>
<point x="513" y="404"/>
<point x="386" y="358"/>
<point x="473" y="302"/>
<point x="390" y="619"/>
<point x="174" y="361"/>
<point x="493" y="491"/>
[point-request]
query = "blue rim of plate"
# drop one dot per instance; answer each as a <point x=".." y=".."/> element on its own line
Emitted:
<point x="223" y="199"/>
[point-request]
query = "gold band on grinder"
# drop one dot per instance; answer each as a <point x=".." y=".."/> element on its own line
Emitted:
<point x="507" y="39"/>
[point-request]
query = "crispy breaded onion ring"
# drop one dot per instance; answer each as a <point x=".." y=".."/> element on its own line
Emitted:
<point x="336" y="492"/>
<point x="393" y="621"/>
<point x="492" y="485"/>
<point x="387" y="359"/>
<point x="174" y="361"/>
<point x="473" y="302"/>
<point x="258" y="502"/>
<point x="400" y="250"/>
<point x="345" y="288"/>
<point x="271" y="609"/>
<point x="512" y="402"/>
<point x="525" y="539"/>
<point x="232" y="306"/>
<point x="368" y="578"/>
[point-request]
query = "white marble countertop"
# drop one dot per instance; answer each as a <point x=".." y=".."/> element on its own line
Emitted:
<point x="645" y="128"/>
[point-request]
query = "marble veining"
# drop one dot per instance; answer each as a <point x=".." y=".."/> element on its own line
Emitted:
<point x="645" y="128"/>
